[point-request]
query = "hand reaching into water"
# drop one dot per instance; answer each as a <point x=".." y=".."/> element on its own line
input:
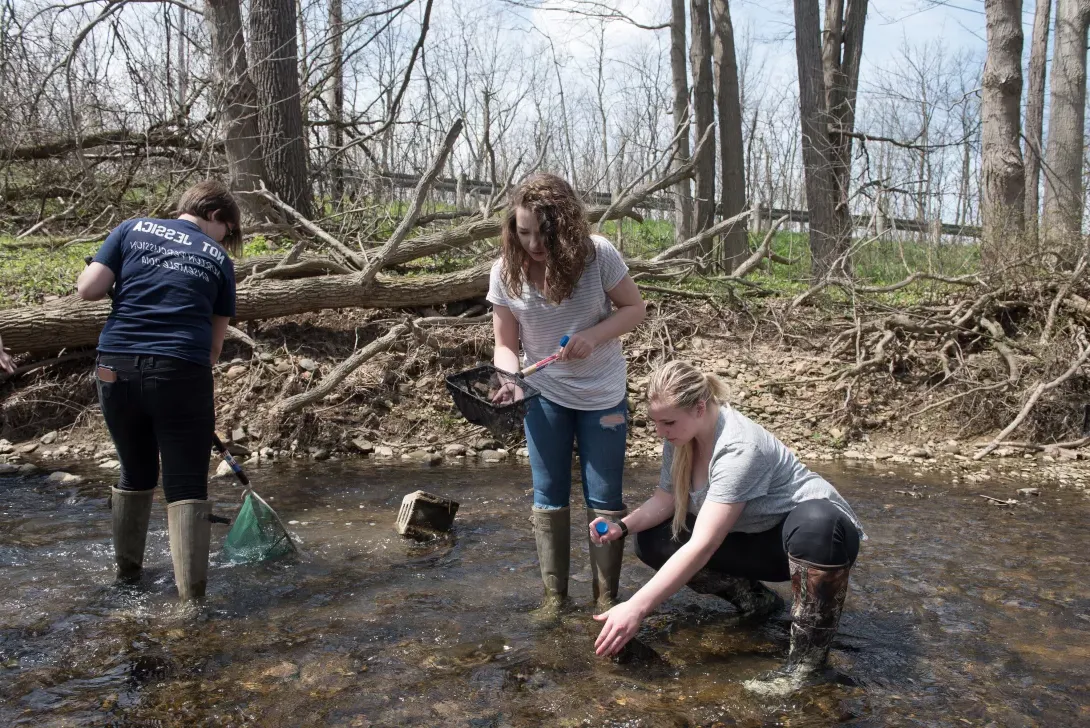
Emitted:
<point x="622" y="622"/>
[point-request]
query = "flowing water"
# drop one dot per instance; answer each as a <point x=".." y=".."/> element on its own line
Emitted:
<point x="959" y="613"/>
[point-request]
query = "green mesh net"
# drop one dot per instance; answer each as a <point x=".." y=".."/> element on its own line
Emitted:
<point x="257" y="534"/>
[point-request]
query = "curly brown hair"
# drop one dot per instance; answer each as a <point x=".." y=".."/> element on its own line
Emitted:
<point x="563" y="225"/>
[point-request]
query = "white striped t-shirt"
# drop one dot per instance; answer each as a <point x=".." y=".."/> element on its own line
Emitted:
<point x="595" y="383"/>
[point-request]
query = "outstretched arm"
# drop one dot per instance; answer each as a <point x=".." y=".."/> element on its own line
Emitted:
<point x="623" y="621"/>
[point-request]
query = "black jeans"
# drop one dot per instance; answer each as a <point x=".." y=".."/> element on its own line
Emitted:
<point x="159" y="407"/>
<point x="815" y="531"/>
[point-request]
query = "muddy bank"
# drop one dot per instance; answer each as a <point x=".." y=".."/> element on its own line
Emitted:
<point x="396" y="408"/>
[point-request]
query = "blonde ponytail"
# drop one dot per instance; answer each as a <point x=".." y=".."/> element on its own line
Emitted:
<point x="680" y="384"/>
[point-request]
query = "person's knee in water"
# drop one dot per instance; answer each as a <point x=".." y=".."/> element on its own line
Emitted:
<point x="555" y="279"/>
<point x="734" y="507"/>
<point x="154" y="369"/>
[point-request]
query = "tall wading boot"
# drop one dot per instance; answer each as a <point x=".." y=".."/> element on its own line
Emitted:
<point x="552" y="532"/>
<point x="130" y="512"/>
<point x="605" y="562"/>
<point x="819" y="593"/>
<point x="753" y="600"/>
<point x="190" y="532"/>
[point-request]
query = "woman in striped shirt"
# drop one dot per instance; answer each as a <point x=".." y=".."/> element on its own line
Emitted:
<point x="555" y="279"/>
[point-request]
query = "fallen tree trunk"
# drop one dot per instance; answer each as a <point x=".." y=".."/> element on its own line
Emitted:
<point x="70" y="322"/>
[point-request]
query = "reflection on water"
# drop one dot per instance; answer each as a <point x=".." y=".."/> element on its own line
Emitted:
<point x="959" y="614"/>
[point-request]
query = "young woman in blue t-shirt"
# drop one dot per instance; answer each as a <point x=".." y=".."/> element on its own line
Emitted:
<point x="174" y="293"/>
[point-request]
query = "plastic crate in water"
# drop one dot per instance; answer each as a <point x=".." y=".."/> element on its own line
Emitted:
<point x="472" y="391"/>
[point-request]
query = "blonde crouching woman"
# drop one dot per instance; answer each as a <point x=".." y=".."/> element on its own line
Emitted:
<point x="735" y="507"/>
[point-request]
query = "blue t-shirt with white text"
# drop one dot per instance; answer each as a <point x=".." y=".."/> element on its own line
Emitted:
<point x="171" y="279"/>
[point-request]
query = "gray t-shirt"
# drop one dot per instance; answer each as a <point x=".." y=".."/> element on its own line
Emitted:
<point x="750" y="465"/>
<point x="595" y="383"/>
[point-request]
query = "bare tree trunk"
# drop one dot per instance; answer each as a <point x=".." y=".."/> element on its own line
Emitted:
<point x="280" y="113"/>
<point x="1062" y="219"/>
<point x="183" y="66"/>
<point x="817" y="152"/>
<point x="683" y="200"/>
<point x="1035" y="115"/>
<point x="1004" y="187"/>
<point x="336" y="97"/>
<point x="731" y="149"/>
<point x="237" y="99"/>
<point x="602" y="118"/>
<point x="841" y="54"/>
<point x="700" y="54"/>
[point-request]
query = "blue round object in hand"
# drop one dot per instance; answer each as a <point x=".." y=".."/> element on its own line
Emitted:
<point x="564" y="341"/>
<point x="602" y="528"/>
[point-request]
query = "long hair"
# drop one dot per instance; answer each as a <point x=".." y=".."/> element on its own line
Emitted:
<point x="680" y="384"/>
<point x="563" y="225"/>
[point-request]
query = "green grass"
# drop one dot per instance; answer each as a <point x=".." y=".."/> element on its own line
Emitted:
<point x="33" y="269"/>
<point x="29" y="271"/>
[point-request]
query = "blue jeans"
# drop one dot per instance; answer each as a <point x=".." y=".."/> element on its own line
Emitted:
<point x="551" y="431"/>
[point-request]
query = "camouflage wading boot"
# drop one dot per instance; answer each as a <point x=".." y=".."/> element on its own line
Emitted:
<point x="819" y="593"/>
<point x="753" y="600"/>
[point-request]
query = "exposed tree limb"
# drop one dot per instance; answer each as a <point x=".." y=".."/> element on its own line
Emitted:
<point x="335" y="377"/>
<point x="71" y="322"/>
<point x="1038" y="391"/>
<point x="419" y="196"/>
<point x="762" y="252"/>
<point x="702" y="237"/>
<point x="351" y="255"/>
<point x="1000" y="344"/>
<point x="1062" y="294"/>
<point x="235" y="334"/>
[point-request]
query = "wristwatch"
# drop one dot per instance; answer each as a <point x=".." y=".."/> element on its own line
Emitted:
<point x="624" y="528"/>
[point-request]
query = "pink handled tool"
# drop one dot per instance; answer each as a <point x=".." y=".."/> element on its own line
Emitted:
<point x="544" y="362"/>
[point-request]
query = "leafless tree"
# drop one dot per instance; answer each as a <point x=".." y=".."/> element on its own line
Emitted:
<point x="700" y="55"/>
<point x="731" y="147"/>
<point x="1004" y="173"/>
<point x="1064" y="185"/>
<point x="679" y="67"/>
<point x="1035" y="115"/>
<point x="275" y="72"/>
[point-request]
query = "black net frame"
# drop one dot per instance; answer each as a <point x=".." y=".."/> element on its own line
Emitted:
<point x="472" y="392"/>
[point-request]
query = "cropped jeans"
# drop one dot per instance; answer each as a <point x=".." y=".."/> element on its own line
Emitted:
<point x="551" y="431"/>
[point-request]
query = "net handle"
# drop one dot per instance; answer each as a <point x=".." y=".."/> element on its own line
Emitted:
<point x="228" y="458"/>
<point x="544" y="362"/>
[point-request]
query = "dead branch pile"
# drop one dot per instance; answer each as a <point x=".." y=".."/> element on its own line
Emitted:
<point x="995" y="353"/>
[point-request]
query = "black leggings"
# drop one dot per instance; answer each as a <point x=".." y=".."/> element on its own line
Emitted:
<point x="159" y="406"/>
<point x="815" y="531"/>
